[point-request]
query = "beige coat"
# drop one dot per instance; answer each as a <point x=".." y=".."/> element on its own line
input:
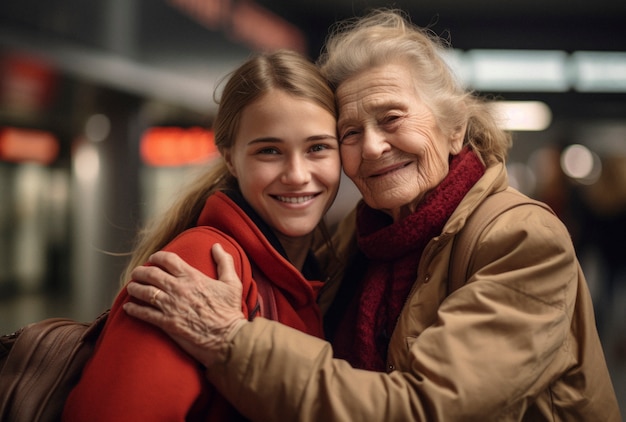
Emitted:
<point x="517" y="342"/>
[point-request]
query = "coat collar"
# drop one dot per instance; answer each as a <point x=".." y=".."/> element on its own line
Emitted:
<point x="494" y="180"/>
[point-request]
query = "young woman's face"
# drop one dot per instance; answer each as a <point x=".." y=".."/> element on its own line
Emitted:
<point x="286" y="159"/>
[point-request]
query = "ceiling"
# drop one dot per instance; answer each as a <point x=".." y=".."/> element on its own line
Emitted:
<point x="162" y="48"/>
<point x="536" y="24"/>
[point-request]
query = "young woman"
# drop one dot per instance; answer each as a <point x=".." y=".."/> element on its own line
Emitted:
<point x="279" y="174"/>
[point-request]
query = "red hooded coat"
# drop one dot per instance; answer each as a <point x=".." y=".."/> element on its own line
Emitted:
<point x="138" y="373"/>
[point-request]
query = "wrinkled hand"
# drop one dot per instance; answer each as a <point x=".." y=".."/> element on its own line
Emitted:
<point x="200" y="313"/>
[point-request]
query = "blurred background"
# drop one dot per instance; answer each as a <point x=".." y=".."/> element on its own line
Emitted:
<point x="106" y="108"/>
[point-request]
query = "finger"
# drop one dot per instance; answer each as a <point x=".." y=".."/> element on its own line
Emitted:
<point x="145" y="313"/>
<point x="146" y="293"/>
<point x="151" y="275"/>
<point x="171" y="262"/>
<point x="225" y="266"/>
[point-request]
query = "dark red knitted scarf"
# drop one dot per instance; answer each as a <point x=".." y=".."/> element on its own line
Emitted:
<point x="393" y="251"/>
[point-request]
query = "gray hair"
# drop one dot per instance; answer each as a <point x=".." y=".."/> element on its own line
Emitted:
<point x="387" y="36"/>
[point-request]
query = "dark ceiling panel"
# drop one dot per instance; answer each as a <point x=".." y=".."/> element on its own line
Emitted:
<point x="548" y="24"/>
<point x="156" y="34"/>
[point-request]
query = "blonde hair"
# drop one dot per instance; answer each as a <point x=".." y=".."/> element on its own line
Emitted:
<point x="281" y="70"/>
<point x="387" y="36"/>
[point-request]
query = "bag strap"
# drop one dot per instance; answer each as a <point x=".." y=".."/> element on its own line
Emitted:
<point x="465" y="241"/>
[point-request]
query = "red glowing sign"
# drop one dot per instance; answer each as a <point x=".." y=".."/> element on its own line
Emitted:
<point x="24" y="145"/>
<point x="175" y="146"/>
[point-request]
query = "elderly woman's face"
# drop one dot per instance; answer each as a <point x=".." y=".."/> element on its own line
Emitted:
<point x="391" y="145"/>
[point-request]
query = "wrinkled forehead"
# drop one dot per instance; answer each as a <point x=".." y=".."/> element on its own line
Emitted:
<point x="374" y="89"/>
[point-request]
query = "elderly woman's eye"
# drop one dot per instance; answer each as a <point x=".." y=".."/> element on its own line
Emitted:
<point x="391" y="118"/>
<point x="348" y="136"/>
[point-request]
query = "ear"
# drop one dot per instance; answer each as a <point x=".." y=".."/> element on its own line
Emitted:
<point x="228" y="158"/>
<point x="456" y="139"/>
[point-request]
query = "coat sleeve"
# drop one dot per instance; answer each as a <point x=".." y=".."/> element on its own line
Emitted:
<point x="496" y="342"/>
<point x="137" y="372"/>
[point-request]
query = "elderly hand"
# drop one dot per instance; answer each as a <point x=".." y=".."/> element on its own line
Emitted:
<point x="199" y="313"/>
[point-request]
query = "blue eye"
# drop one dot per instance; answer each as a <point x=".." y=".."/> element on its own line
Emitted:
<point x="268" y="150"/>
<point x="319" y="147"/>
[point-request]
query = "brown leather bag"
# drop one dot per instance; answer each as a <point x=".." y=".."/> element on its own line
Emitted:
<point x="40" y="364"/>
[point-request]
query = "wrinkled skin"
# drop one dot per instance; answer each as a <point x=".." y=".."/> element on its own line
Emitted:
<point x="392" y="147"/>
<point x="198" y="314"/>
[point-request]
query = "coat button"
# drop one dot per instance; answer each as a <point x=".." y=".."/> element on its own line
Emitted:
<point x="391" y="367"/>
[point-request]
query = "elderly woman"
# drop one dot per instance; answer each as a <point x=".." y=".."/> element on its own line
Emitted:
<point x="516" y="342"/>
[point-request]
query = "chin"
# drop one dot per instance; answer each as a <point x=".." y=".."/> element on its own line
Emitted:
<point x="385" y="203"/>
<point x="299" y="231"/>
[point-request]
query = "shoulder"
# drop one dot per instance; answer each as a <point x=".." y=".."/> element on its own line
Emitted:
<point x="526" y="249"/>
<point x="205" y="234"/>
<point x="528" y="222"/>
<point x="508" y="215"/>
<point x="194" y="246"/>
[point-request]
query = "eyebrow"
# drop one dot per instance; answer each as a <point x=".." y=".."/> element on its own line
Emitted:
<point x="375" y="106"/>
<point x="320" y="137"/>
<point x="269" y="139"/>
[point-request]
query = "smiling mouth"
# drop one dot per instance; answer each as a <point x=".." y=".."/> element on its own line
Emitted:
<point x="294" y="199"/>
<point x="390" y="170"/>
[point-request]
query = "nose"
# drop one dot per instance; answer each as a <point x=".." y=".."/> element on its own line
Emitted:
<point x="374" y="144"/>
<point x="296" y="171"/>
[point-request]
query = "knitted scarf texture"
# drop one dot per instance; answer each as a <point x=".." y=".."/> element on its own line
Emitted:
<point x="393" y="251"/>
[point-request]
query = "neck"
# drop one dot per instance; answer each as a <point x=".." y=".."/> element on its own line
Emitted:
<point x="297" y="248"/>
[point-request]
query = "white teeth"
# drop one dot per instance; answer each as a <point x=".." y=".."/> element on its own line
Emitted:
<point x="295" y="199"/>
